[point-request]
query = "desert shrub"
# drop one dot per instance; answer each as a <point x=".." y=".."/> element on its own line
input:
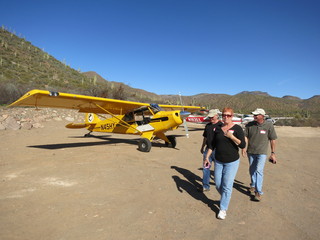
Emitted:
<point x="299" y="122"/>
<point x="9" y="92"/>
<point x="119" y="93"/>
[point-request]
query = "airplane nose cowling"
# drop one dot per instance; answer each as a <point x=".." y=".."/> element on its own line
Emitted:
<point x="179" y="116"/>
<point x="176" y="117"/>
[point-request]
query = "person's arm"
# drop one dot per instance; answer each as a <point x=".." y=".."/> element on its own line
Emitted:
<point x="204" y="143"/>
<point x="239" y="140"/>
<point x="205" y="137"/>
<point x="244" y="150"/>
<point x="273" y="151"/>
<point x="206" y="159"/>
<point x="232" y="137"/>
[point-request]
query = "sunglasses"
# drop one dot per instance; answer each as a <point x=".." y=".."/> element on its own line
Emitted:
<point x="226" y="115"/>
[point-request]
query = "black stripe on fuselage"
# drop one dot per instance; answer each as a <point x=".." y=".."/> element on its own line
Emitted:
<point x="162" y="119"/>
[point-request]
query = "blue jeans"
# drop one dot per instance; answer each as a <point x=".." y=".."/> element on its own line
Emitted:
<point x="257" y="162"/>
<point x="224" y="175"/>
<point x="206" y="171"/>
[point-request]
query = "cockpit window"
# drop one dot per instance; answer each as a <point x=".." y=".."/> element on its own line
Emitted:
<point x="155" y="107"/>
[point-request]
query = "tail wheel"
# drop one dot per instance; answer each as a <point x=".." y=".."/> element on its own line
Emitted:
<point x="144" y="145"/>
<point x="172" y="141"/>
<point x="88" y="134"/>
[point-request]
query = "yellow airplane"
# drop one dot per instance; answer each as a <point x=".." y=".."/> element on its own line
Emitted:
<point x="125" y="117"/>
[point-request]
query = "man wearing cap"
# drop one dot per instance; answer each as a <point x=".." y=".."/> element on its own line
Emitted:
<point x="258" y="134"/>
<point x="213" y="115"/>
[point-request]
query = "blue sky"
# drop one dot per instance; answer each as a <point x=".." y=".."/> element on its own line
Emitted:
<point x="181" y="46"/>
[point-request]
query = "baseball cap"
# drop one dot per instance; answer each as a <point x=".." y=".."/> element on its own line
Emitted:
<point x="213" y="112"/>
<point x="259" y="111"/>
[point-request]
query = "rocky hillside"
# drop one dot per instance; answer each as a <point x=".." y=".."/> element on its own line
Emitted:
<point x="29" y="118"/>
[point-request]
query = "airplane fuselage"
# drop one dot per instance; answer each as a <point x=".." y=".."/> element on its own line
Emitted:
<point x="147" y="127"/>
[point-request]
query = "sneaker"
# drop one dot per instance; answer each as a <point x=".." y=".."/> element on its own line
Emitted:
<point x="257" y="197"/>
<point x="252" y="190"/>
<point x="222" y="214"/>
<point x="202" y="189"/>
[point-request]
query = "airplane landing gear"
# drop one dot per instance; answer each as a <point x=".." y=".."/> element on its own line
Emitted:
<point x="172" y="140"/>
<point x="144" y="145"/>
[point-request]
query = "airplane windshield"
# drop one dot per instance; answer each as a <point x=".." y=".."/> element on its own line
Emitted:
<point x="155" y="107"/>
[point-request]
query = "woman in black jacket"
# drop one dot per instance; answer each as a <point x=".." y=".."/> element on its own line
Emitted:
<point x="226" y="140"/>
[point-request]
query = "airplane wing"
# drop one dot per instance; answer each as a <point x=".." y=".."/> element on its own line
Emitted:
<point x="191" y="109"/>
<point x="87" y="104"/>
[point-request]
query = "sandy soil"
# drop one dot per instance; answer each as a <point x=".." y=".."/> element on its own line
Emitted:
<point x="57" y="185"/>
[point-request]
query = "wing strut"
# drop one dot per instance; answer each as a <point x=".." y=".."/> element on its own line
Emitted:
<point x="121" y="122"/>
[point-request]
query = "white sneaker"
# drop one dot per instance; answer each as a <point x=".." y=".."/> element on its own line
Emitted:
<point x="222" y="214"/>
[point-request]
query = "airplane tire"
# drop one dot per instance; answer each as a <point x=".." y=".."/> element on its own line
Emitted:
<point x="144" y="145"/>
<point x="172" y="140"/>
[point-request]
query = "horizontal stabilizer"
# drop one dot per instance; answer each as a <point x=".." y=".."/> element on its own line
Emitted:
<point x="77" y="125"/>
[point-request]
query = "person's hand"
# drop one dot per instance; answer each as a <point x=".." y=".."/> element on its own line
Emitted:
<point x="206" y="162"/>
<point x="244" y="153"/>
<point x="229" y="134"/>
<point x="273" y="159"/>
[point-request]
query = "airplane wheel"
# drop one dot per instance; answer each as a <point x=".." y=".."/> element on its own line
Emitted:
<point x="172" y="140"/>
<point x="144" y="145"/>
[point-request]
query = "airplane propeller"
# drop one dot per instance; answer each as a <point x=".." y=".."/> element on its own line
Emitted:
<point x="184" y="115"/>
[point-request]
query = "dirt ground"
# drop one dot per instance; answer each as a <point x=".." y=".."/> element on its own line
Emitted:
<point x="57" y="185"/>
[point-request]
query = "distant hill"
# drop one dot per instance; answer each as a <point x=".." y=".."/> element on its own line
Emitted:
<point x="132" y="94"/>
<point x="291" y="97"/>
<point x="24" y="67"/>
<point x="255" y="93"/>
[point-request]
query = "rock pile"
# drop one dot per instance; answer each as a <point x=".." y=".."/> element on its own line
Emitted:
<point x="28" y="118"/>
